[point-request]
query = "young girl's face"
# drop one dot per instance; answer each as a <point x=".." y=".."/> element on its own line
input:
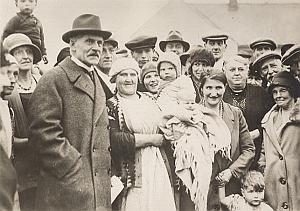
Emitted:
<point x="253" y="197"/>
<point x="167" y="71"/>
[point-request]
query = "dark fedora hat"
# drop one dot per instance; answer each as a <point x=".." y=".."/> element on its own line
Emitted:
<point x="85" y="24"/>
<point x="174" y="36"/>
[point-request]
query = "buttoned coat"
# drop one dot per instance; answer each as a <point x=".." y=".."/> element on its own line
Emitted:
<point x="69" y="130"/>
<point x="242" y="154"/>
<point x="281" y="158"/>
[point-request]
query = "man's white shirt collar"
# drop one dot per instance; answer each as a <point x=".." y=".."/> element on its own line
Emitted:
<point x="81" y="64"/>
<point x="106" y="79"/>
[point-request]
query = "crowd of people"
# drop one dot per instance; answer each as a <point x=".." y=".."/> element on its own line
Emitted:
<point x="131" y="129"/>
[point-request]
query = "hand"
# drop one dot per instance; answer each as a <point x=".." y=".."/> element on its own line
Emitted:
<point x="156" y="140"/>
<point x="254" y="134"/>
<point x="224" y="177"/>
<point x="45" y="59"/>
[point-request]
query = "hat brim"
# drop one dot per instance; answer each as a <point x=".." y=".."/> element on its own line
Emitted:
<point x="205" y="39"/>
<point x="37" y="56"/>
<point x="162" y="44"/>
<point x="258" y="63"/>
<point x="66" y="36"/>
<point x="114" y="43"/>
<point x="287" y="60"/>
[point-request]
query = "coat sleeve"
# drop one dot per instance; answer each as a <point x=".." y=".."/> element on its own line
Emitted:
<point x="122" y="140"/>
<point x="247" y="149"/>
<point x="42" y="37"/>
<point x="10" y="27"/>
<point x="56" y="154"/>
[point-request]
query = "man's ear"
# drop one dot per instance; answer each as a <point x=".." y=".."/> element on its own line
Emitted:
<point x="225" y="45"/>
<point x="72" y="44"/>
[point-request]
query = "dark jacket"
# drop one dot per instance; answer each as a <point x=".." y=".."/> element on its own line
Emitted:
<point x="242" y="154"/>
<point x="8" y="182"/>
<point x="69" y="129"/>
<point x="257" y="103"/>
<point x="28" y="25"/>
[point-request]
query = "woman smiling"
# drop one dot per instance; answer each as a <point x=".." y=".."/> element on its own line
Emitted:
<point x="226" y="172"/>
<point x="135" y="143"/>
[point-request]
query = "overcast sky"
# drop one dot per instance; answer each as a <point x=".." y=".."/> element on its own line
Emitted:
<point x="122" y="17"/>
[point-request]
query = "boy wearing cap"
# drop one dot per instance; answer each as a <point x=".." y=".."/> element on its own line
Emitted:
<point x="25" y="22"/>
<point x="174" y="43"/>
<point x="142" y="49"/>
<point x="216" y="43"/>
<point x="262" y="45"/>
<point x="69" y="125"/>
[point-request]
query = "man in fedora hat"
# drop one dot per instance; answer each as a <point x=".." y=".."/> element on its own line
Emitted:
<point x="216" y="43"/>
<point x="103" y="67"/>
<point x="69" y="125"/>
<point x="142" y="48"/>
<point x="174" y="43"/>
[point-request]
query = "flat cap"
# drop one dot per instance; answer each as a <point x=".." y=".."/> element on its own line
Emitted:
<point x="263" y="41"/>
<point x="263" y="57"/>
<point x="290" y="54"/>
<point x="141" y="42"/>
<point x="217" y="35"/>
<point x="112" y="41"/>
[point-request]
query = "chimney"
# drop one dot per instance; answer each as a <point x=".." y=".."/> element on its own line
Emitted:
<point x="233" y="5"/>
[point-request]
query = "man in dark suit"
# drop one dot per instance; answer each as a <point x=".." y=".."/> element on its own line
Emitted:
<point x="69" y="126"/>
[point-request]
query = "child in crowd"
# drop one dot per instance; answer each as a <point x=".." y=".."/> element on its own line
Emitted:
<point x="253" y="190"/>
<point x="26" y="23"/>
<point x="192" y="129"/>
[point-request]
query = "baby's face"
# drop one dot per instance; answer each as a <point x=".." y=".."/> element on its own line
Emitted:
<point x="189" y="105"/>
<point x="167" y="71"/>
<point x="253" y="197"/>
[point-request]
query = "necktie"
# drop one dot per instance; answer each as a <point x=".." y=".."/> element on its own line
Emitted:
<point x="91" y="74"/>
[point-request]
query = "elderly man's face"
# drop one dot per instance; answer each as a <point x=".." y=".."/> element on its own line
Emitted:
<point x="107" y="57"/>
<point x="270" y="67"/>
<point x="217" y="47"/>
<point x="260" y="49"/>
<point x="142" y="55"/>
<point x="24" y="57"/>
<point x="175" y="47"/>
<point x="87" y="48"/>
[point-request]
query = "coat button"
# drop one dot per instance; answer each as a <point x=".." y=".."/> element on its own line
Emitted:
<point x="280" y="157"/>
<point x="285" y="205"/>
<point x="282" y="180"/>
<point x="109" y="148"/>
<point x="94" y="150"/>
<point x="108" y="127"/>
<point x="108" y="171"/>
<point x="95" y="174"/>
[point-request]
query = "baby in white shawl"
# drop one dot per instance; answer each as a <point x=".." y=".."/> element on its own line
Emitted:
<point x="196" y="132"/>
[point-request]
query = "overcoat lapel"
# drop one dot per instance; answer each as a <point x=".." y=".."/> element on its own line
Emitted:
<point x="268" y="126"/>
<point x="78" y="77"/>
<point x="230" y="122"/>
